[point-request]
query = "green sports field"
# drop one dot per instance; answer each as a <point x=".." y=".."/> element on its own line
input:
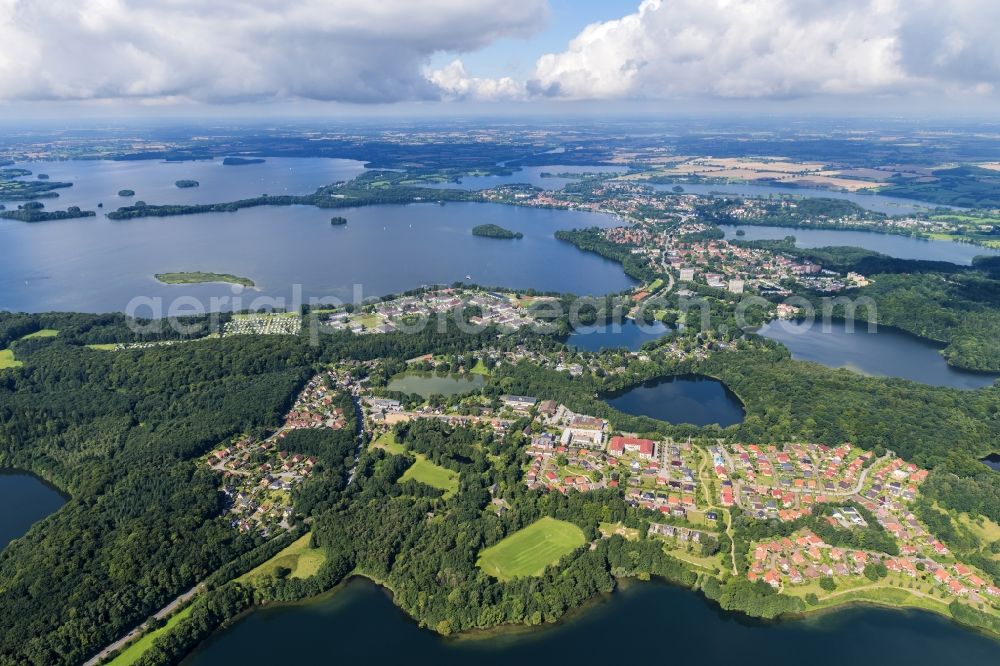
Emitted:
<point x="528" y="551"/>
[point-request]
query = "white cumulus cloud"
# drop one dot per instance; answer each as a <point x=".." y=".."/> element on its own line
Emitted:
<point x="456" y="84"/>
<point x="232" y="50"/>
<point x="773" y="49"/>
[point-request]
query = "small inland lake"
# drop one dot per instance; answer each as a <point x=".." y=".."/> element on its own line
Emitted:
<point x="692" y="399"/>
<point x="25" y="499"/>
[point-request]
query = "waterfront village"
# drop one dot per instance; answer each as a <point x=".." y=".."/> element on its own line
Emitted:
<point x="689" y="489"/>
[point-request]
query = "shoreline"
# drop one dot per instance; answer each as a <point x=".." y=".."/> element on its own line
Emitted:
<point x="514" y="631"/>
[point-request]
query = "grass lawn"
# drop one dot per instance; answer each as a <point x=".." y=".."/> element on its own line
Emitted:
<point x="299" y="557"/>
<point x="44" y="333"/>
<point x="105" y="346"/>
<point x="132" y="653"/>
<point x="529" y="551"/>
<point x="7" y="360"/>
<point x="426" y="472"/>
<point x="369" y="321"/>
<point x="387" y="441"/>
<point x="609" y="529"/>
<point x="480" y="368"/>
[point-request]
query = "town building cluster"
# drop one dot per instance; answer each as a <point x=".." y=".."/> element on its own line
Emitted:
<point x="786" y="482"/>
<point x="483" y="308"/>
<point x="258" y="476"/>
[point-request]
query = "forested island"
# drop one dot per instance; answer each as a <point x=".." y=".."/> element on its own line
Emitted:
<point x="13" y="189"/>
<point x="199" y="277"/>
<point x="495" y="231"/>
<point x="126" y="193"/>
<point x="34" y="211"/>
<point x="338" y="221"/>
<point x="242" y="161"/>
<point x="369" y="189"/>
<point x="185" y="184"/>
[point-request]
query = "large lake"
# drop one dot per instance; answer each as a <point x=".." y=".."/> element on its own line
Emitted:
<point x="98" y="265"/>
<point x="885" y="353"/>
<point x="693" y="399"/>
<point x="428" y="384"/>
<point x="628" y="335"/>
<point x="358" y="623"/>
<point x="98" y="181"/>
<point x="879" y="203"/>
<point x="25" y="499"/>
<point x="532" y="175"/>
<point x="901" y="247"/>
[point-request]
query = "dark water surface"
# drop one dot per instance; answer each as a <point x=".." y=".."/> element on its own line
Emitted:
<point x="691" y="399"/>
<point x="24" y="500"/>
<point x="628" y="334"/>
<point x="649" y="623"/>
<point x="884" y="353"/>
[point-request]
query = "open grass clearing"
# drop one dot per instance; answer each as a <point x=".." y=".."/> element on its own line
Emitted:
<point x="298" y="557"/>
<point x="44" y="333"/>
<point x="133" y="652"/>
<point x="426" y="472"/>
<point x="7" y="360"/>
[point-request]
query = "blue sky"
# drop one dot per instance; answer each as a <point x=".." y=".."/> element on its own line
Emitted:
<point x="516" y="56"/>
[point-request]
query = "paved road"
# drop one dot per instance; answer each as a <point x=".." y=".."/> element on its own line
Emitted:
<point x="360" y="416"/>
<point x="161" y="614"/>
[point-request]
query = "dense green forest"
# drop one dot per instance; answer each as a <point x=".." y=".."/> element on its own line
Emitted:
<point x="118" y="431"/>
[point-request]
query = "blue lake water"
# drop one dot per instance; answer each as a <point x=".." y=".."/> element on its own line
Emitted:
<point x="628" y="334"/>
<point x="25" y="499"/>
<point x="531" y="175"/>
<point x="98" y="181"/>
<point x="693" y="399"/>
<point x="901" y="247"/>
<point x="99" y="265"/>
<point x="878" y="203"/>
<point x="359" y="623"/>
<point x="884" y="353"/>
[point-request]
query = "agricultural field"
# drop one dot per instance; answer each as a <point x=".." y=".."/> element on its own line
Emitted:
<point x="529" y="551"/>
